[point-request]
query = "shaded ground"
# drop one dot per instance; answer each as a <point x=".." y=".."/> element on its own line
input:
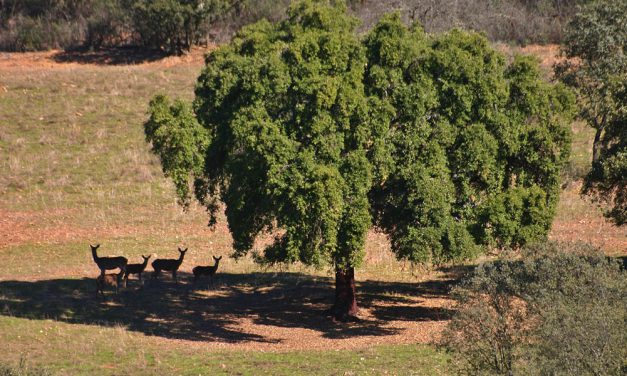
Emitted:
<point x="110" y="56"/>
<point x="60" y="59"/>
<point x="253" y="311"/>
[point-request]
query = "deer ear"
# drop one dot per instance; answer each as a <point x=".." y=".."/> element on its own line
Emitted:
<point x="185" y="250"/>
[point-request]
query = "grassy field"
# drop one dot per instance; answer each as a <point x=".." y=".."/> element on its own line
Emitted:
<point x="112" y="351"/>
<point x="76" y="170"/>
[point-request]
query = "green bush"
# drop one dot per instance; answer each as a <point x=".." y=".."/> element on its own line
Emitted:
<point x="29" y="35"/>
<point x="560" y="310"/>
<point x="174" y="25"/>
<point x="109" y="25"/>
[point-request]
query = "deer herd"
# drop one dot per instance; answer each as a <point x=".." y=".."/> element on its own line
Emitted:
<point x="120" y="279"/>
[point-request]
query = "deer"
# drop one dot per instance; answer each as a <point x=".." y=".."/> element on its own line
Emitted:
<point x="109" y="280"/>
<point x="206" y="270"/>
<point x="136" y="268"/>
<point x="170" y="265"/>
<point x="108" y="263"/>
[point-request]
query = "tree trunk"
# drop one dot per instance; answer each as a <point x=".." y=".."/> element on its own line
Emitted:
<point x="345" y="305"/>
<point x="596" y="145"/>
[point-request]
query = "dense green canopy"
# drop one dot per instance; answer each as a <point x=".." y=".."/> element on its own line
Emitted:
<point x="476" y="143"/>
<point x="314" y="135"/>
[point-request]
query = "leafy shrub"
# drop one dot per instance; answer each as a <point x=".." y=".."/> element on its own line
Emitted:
<point x="558" y="311"/>
<point x="108" y="25"/>
<point x="174" y="25"/>
<point x="29" y="35"/>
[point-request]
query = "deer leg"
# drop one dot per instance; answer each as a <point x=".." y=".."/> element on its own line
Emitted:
<point x="174" y="277"/>
<point x="100" y="289"/>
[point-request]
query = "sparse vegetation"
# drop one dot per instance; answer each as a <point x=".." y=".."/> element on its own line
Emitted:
<point x="43" y="24"/>
<point x="560" y="310"/>
<point x="22" y="369"/>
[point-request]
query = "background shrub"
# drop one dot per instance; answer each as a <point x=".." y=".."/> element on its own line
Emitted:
<point x="97" y="23"/>
<point x="560" y="310"/>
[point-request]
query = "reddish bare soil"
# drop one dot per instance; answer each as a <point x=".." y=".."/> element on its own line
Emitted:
<point x="51" y="227"/>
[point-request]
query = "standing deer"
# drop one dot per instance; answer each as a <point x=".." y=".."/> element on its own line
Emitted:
<point x="109" y="280"/>
<point x="206" y="270"/>
<point x="136" y="268"/>
<point x="170" y="265"/>
<point x="108" y="263"/>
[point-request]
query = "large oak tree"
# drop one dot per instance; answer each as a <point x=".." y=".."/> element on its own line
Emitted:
<point x="304" y="131"/>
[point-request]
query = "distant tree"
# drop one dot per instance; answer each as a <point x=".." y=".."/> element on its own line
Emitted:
<point x="596" y="51"/>
<point x="174" y="25"/>
<point x="108" y="24"/>
<point x="313" y="135"/>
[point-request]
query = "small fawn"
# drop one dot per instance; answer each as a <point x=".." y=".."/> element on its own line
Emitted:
<point x="136" y="268"/>
<point x="109" y="280"/>
<point x="206" y="270"/>
<point x="170" y="265"/>
<point x="108" y="263"/>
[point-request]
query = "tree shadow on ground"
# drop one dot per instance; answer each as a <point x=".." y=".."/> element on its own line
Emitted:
<point x="109" y="56"/>
<point x="202" y="313"/>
